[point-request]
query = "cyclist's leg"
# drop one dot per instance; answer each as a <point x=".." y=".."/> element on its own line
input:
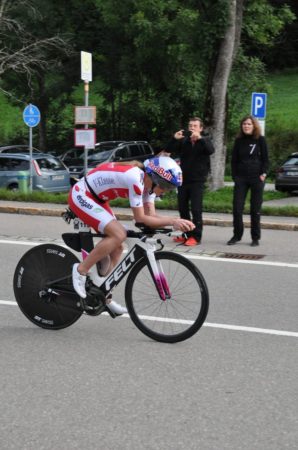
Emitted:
<point x="100" y="218"/>
<point x="109" y="245"/>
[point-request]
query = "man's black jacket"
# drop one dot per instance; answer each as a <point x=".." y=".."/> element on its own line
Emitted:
<point x="194" y="158"/>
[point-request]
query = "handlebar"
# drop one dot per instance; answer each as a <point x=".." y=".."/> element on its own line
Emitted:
<point x="152" y="231"/>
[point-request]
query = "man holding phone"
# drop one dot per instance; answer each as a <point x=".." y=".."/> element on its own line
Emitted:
<point x="194" y="151"/>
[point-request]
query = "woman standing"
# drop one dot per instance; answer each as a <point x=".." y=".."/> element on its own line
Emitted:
<point x="249" y="170"/>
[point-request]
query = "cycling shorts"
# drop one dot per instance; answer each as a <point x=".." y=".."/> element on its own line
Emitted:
<point x="95" y="214"/>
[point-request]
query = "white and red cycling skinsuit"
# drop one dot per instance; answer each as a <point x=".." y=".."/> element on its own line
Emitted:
<point x="107" y="182"/>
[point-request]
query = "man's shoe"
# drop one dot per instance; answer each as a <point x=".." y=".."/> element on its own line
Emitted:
<point x="233" y="241"/>
<point x="179" y="239"/>
<point x="78" y="281"/>
<point x="254" y="243"/>
<point x="116" y="308"/>
<point x="191" y="241"/>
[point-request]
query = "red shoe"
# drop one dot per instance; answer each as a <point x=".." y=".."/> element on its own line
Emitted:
<point x="191" y="241"/>
<point x="179" y="239"/>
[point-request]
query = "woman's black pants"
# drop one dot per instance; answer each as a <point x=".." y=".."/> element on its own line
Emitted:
<point x="241" y="188"/>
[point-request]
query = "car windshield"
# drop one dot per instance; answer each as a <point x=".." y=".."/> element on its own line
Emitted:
<point x="292" y="161"/>
<point x="48" y="164"/>
<point x="99" y="148"/>
<point x="100" y="156"/>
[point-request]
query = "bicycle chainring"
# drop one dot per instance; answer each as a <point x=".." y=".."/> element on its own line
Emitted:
<point x="95" y="302"/>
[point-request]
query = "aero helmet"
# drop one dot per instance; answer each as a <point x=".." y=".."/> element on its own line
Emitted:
<point x="164" y="172"/>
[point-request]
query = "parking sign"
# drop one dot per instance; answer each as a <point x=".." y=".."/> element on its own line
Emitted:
<point x="258" y="105"/>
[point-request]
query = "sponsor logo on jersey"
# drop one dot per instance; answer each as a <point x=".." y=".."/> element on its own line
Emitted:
<point x="103" y="181"/>
<point x="84" y="203"/>
<point x="98" y="210"/>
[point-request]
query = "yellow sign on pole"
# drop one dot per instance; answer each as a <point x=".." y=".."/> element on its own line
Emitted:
<point x="86" y="66"/>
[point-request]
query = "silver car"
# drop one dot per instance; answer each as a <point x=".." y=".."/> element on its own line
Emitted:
<point x="49" y="174"/>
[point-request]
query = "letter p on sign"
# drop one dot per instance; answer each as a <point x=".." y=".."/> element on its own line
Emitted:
<point x="258" y="105"/>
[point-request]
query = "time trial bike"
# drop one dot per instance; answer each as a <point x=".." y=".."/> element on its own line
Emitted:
<point x="165" y="293"/>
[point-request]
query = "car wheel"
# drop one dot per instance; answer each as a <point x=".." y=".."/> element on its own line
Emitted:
<point x="13" y="187"/>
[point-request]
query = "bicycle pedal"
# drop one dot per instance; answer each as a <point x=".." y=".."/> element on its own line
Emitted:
<point x="113" y="315"/>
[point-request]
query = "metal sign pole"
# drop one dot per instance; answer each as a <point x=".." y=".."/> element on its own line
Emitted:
<point x="31" y="160"/>
<point x="86" y="95"/>
<point x="31" y="117"/>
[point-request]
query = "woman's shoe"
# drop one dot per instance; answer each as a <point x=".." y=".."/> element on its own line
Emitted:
<point x="254" y="243"/>
<point x="233" y="241"/>
<point x="78" y="281"/>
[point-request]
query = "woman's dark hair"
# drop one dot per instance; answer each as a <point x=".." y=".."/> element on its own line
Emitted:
<point x="257" y="129"/>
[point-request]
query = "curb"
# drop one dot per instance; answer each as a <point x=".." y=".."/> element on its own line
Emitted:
<point x="214" y="222"/>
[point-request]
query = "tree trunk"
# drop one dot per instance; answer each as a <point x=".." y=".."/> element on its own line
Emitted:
<point x="227" y="51"/>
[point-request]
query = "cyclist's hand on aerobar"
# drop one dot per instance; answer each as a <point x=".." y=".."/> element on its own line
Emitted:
<point x="183" y="225"/>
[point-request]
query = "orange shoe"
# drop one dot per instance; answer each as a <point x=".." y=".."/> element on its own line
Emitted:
<point x="191" y="241"/>
<point x="179" y="239"/>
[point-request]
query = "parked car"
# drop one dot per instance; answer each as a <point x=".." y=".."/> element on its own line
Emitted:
<point x="77" y="153"/>
<point x="104" y="152"/>
<point x="287" y="175"/>
<point x="18" y="149"/>
<point x="23" y="149"/>
<point x="49" y="174"/>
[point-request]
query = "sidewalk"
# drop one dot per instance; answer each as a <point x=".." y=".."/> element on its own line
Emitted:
<point x="215" y="219"/>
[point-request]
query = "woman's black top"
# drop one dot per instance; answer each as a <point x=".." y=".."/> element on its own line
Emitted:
<point x="249" y="157"/>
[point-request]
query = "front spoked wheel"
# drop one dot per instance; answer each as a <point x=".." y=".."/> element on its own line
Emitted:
<point x="43" y="287"/>
<point x="176" y="318"/>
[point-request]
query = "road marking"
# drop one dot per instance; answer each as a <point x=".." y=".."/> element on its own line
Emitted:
<point x="28" y="243"/>
<point x="7" y="302"/>
<point x="206" y="324"/>
<point x="187" y="255"/>
<point x="242" y="261"/>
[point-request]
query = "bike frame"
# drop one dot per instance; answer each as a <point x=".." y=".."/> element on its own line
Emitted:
<point x="83" y="239"/>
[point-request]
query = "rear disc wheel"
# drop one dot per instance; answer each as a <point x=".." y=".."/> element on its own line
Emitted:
<point x="43" y="287"/>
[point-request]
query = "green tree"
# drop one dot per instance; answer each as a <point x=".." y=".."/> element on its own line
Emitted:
<point x="258" y="22"/>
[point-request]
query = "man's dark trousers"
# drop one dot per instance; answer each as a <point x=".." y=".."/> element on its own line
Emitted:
<point x="192" y="193"/>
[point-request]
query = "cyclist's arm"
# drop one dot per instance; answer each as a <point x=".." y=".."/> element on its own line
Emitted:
<point x="154" y="221"/>
<point x="149" y="209"/>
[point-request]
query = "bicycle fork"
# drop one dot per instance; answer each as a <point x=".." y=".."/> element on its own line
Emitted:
<point x="157" y="271"/>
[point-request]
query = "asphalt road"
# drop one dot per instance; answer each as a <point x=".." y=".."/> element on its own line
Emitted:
<point x="101" y="384"/>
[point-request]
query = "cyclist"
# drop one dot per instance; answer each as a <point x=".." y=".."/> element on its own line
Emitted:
<point x="141" y="184"/>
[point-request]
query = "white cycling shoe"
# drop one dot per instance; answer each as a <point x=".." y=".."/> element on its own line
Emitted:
<point x="78" y="281"/>
<point x="116" y="308"/>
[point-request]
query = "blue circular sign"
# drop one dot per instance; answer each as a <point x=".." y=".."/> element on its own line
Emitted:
<point x="31" y="115"/>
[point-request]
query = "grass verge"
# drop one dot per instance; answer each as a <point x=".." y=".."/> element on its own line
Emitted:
<point x="217" y="202"/>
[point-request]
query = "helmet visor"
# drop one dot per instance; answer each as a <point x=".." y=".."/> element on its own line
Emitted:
<point x="162" y="183"/>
